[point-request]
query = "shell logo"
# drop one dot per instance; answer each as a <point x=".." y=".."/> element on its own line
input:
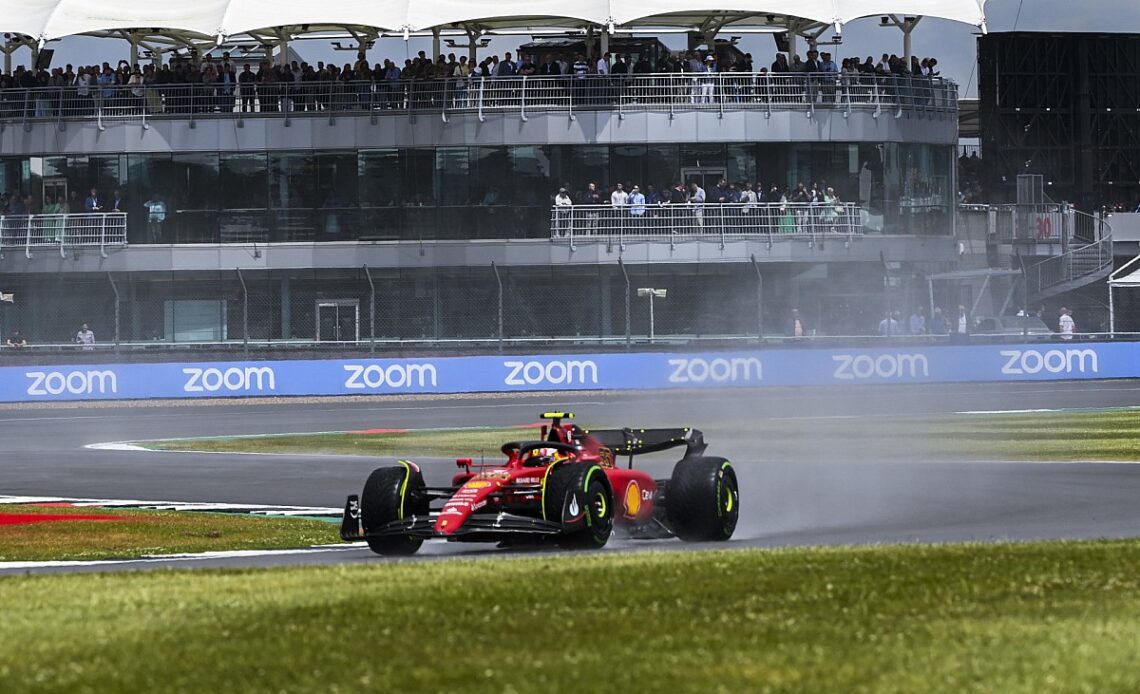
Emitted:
<point x="632" y="499"/>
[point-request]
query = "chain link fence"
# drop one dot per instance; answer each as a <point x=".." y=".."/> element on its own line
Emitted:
<point x="372" y="308"/>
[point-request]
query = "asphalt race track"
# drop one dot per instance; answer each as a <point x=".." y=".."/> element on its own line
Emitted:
<point x="819" y="496"/>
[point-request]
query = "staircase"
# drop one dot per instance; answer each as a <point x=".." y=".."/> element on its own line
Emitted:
<point x="1079" y="267"/>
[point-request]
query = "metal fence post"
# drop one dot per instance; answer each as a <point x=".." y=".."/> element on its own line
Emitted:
<point x="625" y="274"/>
<point x="759" y="300"/>
<point x="371" y="311"/>
<point x="115" y="289"/>
<point x="244" y="313"/>
<point x="499" y="282"/>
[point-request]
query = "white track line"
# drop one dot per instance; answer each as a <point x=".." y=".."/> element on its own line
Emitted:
<point x="255" y="509"/>
<point x="170" y="558"/>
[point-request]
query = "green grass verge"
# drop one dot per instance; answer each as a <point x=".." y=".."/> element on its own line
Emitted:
<point x="423" y="442"/>
<point x="139" y="533"/>
<point x="995" y="618"/>
<point x="1100" y="435"/>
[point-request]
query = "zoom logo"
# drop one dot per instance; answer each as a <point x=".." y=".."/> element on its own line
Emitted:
<point x="532" y="373"/>
<point x="395" y="376"/>
<point x="719" y="370"/>
<point x="72" y="382"/>
<point x="233" y="379"/>
<point x="1055" y="361"/>
<point x="849" y="367"/>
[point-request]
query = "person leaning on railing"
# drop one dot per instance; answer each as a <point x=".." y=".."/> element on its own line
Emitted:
<point x="562" y="211"/>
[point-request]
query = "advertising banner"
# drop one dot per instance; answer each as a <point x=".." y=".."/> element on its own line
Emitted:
<point x="785" y="367"/>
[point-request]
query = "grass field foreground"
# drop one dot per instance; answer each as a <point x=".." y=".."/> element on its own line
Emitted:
<point x="998" y="618"/>
<point x="139" y="533"/>
<point x="1048" y="436"/>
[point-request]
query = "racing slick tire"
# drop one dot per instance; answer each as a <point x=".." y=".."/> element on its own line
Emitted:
<point x="703" y="500"/>
<point x="579" y="495"/>
<point x="385" y="499"/>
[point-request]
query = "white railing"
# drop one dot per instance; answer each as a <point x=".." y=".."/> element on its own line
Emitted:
<point x="665" y="92"/>
<point x="703" y="221"/>
<point x="1079" y="266"/>
<point x="63" y="231"/>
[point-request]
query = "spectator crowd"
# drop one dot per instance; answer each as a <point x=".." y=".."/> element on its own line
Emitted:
<point x="199" y="85"/>
<point x="737" y="207"/>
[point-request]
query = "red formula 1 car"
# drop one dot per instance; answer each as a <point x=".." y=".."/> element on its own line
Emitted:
<point x="567" y="487"/>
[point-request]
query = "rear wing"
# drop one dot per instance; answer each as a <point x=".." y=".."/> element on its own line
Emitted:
<point x="633" y="442"/>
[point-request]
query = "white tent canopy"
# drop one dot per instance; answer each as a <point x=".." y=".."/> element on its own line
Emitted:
<point x="1124" y="278"/>
<point x="51" y="19"/>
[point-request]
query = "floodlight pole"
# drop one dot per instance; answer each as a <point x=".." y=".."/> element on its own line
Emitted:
<point x="651" y="293"/>
<point x="651" y="316"/>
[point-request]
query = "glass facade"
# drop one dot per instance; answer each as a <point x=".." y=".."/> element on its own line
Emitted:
<point x="477" y="192"/>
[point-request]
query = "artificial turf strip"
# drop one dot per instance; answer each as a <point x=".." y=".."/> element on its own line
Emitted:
<point x="995" y="618"/>
<point x="139" y="533"/>
<point x="1099" y="435"/>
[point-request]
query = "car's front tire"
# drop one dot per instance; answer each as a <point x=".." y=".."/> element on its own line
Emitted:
<point x="579" y="496"/>
<point x="389" y="495"/>
<point x="703" y="500"/>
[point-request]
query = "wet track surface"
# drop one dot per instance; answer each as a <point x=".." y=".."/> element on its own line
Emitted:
<point x="823" y="496"/>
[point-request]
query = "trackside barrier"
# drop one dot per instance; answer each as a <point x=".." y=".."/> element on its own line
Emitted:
<point x="791" y="367"/>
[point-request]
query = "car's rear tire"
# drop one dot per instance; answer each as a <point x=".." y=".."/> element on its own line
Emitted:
<point x="580" y="486"/>
<point x="389" y="496"/>
<point x="702" y="502"/>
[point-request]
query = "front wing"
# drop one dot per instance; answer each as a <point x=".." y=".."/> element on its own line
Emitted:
<point x="490" y="525"/>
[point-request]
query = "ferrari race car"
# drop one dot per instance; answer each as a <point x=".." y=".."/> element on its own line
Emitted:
<point x="566" y="487"/>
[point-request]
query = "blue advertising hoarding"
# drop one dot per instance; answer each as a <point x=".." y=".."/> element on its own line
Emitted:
<point x="790" y="367"/>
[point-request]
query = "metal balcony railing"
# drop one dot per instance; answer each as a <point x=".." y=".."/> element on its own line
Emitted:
<point x="703" y="222"/>
<point x="1079" y="266"/>
<point x="63" y="231"/>
<point x="567" y="94"/>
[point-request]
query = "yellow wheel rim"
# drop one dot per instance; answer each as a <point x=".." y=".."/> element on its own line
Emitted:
<point x="600" y="503"/>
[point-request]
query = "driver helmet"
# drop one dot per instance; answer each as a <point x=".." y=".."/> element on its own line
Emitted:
<point x="546" y="456"/>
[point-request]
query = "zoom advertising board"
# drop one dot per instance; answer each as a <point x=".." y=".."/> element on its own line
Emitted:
<point x="806" y="367"/>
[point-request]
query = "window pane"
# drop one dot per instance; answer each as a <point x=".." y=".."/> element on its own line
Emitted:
<point x="662" y="166"/>
<point x="531" y="184"/>
<point x="741" y="162"/>
<point x="85" y="173"/>
<point x="589" y="164"/>
<point x="379" y="173"/>
<point x="292" y="183"/>
<point x="452" y="171"/>
<point x="419" y="170"/>
<point x="336" y="179"/>
<point x="197" y="175"/>
<point x="627" y="165"/>
<point x="489" y="175"/>
<point x="243" y="181"/>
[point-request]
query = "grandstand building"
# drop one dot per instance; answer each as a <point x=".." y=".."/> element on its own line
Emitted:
<point x="424" y="210"/>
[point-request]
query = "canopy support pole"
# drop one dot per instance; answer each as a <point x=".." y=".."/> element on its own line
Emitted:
<point x="1111" y="315"/>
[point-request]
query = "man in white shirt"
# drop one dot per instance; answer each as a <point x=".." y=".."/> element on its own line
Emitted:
<point x="603" y="65"/>
<point x="562" y="205"/>
<point x="619" y="199"/>
<point x="1067" y="324"/>
<point x="697" y="200"/>
<point x="85" y="337"/>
